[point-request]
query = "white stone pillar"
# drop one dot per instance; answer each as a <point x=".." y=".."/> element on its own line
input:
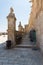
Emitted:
<point x="11" y="27"/>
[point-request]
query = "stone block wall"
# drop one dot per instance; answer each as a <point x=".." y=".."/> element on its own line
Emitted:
<point x="39" y="30"/>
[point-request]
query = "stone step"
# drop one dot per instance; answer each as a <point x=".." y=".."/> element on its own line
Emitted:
<point x="25" y="43"/>
<point x="25" y="39"/>
<point x="25" y="46"/>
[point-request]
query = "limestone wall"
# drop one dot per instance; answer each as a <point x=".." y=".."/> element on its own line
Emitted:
<point x="39" y="29"/>
<point x="36" y="20"/>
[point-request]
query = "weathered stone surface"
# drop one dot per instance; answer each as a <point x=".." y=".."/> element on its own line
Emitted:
<point x="36" y="20"/>
<point x="20" y="56"/>
<point x="39" y="29"/>
<point x="11" y="26"/>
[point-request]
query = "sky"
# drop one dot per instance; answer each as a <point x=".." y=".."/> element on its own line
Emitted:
<point x="22" y="9"/>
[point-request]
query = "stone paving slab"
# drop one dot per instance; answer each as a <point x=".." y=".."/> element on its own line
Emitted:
<point x="20" y="56"/>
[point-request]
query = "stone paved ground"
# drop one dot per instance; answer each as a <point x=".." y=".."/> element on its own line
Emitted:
<point x="20" y="56"/>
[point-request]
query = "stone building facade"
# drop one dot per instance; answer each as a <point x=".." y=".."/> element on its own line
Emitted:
<point x="36" y="20"/>
<point x="26" y="28"/>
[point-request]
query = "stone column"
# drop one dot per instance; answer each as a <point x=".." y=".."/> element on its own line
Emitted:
<point x="11" y="27"/>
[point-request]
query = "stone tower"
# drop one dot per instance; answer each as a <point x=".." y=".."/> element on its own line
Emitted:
<point x="20" y="27"/>
<point x="11" y="26"/>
